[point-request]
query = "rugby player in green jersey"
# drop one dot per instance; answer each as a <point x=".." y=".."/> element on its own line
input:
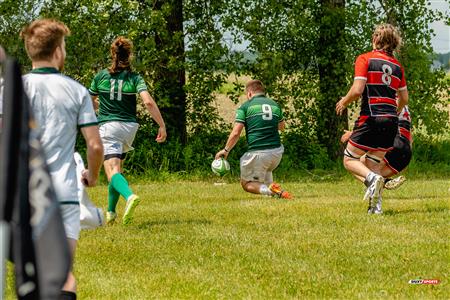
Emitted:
<point x="115" y="90"/>
<point x="262" y="118"/>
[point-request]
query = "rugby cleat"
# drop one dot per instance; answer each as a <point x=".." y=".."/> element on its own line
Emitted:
<point x="110" y="217"/>
<point x="277" y="191"/>
<point x="377" y="210"/>
<point x="373" y="192"/>
<point x="132" y="202"/>
<point x="394" y="183"/>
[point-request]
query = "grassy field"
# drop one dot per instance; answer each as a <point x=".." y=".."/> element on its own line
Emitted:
<point x="197" y="240"/>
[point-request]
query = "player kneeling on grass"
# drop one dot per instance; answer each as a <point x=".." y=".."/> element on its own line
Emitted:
<point x="379" y="80"/>
<point x="262" y="118"/>
<point x="116" y="89"/>
<point x="398" y="158"/>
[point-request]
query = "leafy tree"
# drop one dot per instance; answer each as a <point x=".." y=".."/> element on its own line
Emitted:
<point x="169" y="71"/>
<point x="333" y="70"/>
<point x="13" y="16"/>
<point x="207" y="62"/>
<point x="303" y="53"/>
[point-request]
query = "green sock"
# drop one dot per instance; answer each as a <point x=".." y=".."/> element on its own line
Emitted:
<point x="120" y="184"/>
<point x="113" y="198"/>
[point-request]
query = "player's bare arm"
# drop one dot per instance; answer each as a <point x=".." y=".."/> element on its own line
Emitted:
<point x="95" y="102"/>
<point x="232" y="140"/>
<point x="346" y="136"/>
<point x="353" y="94"/>
<point x="281" y="125"/>
<point x="402" y="99"/>
<point x="94" y="154"/>
<point x="153" y="109"/>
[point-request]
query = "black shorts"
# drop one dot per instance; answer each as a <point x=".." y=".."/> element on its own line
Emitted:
<point x="398" y="158"/>
<point x="374" y="133"/>
<point x="115" y="155"/>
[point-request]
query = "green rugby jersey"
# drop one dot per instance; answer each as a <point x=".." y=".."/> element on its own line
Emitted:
<point x="117" y="95"/>
<point x="261" y="116"/>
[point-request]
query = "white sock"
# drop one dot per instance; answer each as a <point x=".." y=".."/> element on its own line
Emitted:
<point x="370" y="176"/>
<point x="264" y="190"/>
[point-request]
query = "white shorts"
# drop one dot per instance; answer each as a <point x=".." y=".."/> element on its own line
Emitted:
<point x="117" y="137"/>
<point x="258" y="165"/>
<point x="71" y="218"/>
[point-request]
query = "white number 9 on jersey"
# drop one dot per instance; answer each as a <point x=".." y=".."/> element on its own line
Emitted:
<point x="267" y="112"/>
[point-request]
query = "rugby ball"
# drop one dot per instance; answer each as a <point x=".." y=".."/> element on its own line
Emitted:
<point x="220" y="166"/>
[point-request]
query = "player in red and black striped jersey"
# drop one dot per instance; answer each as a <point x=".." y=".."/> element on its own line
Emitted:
<point x="379" y="80"/>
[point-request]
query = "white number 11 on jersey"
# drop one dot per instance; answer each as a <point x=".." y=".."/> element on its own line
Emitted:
<point x="119" y="89"/>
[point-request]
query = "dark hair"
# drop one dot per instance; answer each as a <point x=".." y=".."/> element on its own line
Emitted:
<point x="42" y="37"/>
<point x="121" y="54"/>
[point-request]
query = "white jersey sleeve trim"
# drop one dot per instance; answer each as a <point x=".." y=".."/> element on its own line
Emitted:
<point x="92" y="92"/>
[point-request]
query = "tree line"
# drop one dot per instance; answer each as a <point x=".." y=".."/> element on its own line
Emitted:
<point x="304" y="52"/>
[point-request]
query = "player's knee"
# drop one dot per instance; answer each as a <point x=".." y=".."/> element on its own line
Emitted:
<point x="347" y="162"/>
<point x="112" y="167"/>
<point x="244" y="184"/>
<point x="349" y="157"/>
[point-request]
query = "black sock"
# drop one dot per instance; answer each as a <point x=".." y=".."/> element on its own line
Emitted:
<point x="66" y="295"/>
<point x="366" y="182"/>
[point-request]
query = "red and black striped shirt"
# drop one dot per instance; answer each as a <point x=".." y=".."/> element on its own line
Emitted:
<point x="404" y="123"/>
<point x="384" y="77"/>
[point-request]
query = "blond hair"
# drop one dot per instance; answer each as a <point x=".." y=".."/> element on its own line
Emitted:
<point x="255" y="86"/>
<point x="121" y="54"/>
<point x="42" y="37"/>
<point x="386" y="37"/>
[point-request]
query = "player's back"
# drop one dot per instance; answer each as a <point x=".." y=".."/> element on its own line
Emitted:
<point x="261" y="116"/>
<point x="59" y="104"/>
<point x="117" y="95"/>
<point x="384" y="77"/>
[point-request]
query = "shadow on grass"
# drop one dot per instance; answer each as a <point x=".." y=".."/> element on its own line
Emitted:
<point x="150" y="224"/>
<point x="391" y="212"/>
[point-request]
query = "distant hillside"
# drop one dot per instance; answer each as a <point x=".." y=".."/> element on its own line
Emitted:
<point x="444" y="59"/>
<point x="441" y="59"/>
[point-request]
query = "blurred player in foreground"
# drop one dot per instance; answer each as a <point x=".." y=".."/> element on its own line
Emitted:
<point x="2" y="57"/>
<point x="60" y="105"/>
<point x="262" y="118"/>
<point x="379" y="80"/>
<point x="115" y="90"/>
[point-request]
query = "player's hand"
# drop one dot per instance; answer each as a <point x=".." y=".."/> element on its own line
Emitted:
<point x="162" y="135"/>
<point x="221" y="153"/>
<point x="346" y="136"/>
<point x="341" y="106"/>
<point x="87" y="179"/>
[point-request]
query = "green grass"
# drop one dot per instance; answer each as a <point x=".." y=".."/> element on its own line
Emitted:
<point x="195" y="240"/>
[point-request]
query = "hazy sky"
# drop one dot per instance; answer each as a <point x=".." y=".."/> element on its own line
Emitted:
<point x="441" y="42"/>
